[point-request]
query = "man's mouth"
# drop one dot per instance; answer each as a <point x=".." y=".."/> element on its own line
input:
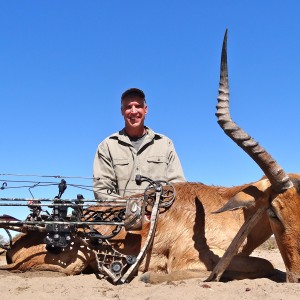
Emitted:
<point x="134" y="120"/>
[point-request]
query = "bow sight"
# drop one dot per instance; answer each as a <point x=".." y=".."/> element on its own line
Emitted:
<point x="95" y="222"/>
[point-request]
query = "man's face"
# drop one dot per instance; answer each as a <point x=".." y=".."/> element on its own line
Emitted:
<point x="134" y="110"/>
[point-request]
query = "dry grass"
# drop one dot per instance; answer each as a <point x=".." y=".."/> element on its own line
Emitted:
<point x="269" y="244"/>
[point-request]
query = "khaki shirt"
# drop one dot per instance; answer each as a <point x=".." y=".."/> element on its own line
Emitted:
<point x="117" y="163"/>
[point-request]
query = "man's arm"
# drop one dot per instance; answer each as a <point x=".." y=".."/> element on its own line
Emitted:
<point x="174" y="170"/>
<point x="105" y="183"/>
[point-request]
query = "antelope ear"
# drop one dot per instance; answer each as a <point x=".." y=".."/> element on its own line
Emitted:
<point x="247" y="197"/>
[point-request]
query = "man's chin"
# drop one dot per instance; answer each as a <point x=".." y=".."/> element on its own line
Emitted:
<point x="136" y="124"/>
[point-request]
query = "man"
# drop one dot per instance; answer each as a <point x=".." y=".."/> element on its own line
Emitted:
<point x="135" y="150"/>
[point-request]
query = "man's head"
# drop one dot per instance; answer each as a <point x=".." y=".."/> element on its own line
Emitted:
<point x="133" y="92"/>
<point x="134" y="109"/>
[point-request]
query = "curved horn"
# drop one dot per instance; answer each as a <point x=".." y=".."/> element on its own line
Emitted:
<point x="278" y="178"/>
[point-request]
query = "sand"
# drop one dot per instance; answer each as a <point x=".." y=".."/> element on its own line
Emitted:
<point x="49" y="285"/>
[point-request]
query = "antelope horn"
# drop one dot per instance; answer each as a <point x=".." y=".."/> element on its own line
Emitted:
<point x="276" y="175"/>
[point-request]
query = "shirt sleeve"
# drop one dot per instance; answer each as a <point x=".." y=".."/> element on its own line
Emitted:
<point x="105" y="183"/>
<point x="174" y="170"/>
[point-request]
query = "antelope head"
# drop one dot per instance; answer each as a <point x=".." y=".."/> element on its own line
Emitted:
<point x="282" y="192"/>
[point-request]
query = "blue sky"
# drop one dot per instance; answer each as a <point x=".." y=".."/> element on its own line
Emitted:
<point x="64" y="65"/>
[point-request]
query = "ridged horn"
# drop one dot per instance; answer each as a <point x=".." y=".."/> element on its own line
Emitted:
<point x="276" y="175"/>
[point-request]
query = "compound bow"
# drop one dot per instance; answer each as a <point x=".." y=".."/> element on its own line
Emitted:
<point x="80" y="216"/>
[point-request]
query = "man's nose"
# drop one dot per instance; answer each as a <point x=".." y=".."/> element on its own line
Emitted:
<point x="133" y="109"/>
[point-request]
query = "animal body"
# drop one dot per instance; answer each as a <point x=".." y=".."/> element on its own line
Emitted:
<point x="189" y="236"/>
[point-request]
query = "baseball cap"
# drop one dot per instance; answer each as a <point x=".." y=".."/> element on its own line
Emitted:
<point x="133" y="92"/>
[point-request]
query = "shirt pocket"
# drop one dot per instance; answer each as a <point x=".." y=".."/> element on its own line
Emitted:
<point x="157" y="167"/>
<point x="121" y="167"/>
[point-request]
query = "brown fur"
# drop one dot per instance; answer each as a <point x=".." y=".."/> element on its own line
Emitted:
<point x="188" y="237"/>
<point x="286" y="227"/>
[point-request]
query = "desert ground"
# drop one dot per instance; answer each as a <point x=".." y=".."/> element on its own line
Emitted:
<point x="49" y="285"/>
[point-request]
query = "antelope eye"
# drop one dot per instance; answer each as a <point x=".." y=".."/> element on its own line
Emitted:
<point x="275" y="218"/>
<point x="272" y="214"/>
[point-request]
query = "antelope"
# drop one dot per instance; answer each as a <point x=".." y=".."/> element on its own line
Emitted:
<point x="193" y="234"/>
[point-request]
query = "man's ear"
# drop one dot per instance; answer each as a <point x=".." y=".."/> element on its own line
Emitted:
<point x="146" y="109"/>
